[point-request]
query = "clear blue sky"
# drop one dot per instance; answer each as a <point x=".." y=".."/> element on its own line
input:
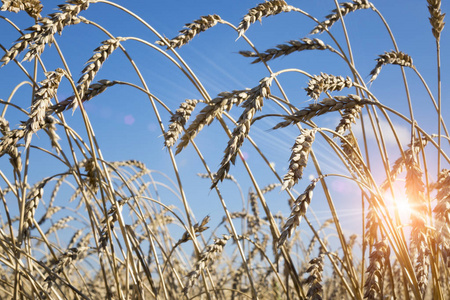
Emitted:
<point x="125" y="124"/>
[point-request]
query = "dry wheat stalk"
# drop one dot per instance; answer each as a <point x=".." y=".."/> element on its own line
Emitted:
<point x="325" y="82"/>
<point x="346" y="8"/>
<point x="254" y="102"/>
<point x="178" y="120"/>
<point x="205" y="257"/>
<point x="299" y="158"/>
<point x="298" y="211"/>
<point x="43" y="33"/>
<point x="379" y="257"/>
<point x="393" y="58"/>
<point x="323" y="107"/>
<point x="437" y="18"/>
<point x="192" y="29"/>
<point x="314" y="280"/>
<point x="95" y="63"/>
<point x="442" y="211"/>
<point x="265" y="9"/>
<point x="286" y="49"/>
<point x="32" y="7"/>
<point x="93" y="90"/>
<point x="41" y="103"/>
<point x="214" y="109"/>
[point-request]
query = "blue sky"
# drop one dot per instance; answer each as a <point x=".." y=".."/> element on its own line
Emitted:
<point x="124" y="121"/>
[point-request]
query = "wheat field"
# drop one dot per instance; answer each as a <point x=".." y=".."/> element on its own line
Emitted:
<point x="324" y="178"/>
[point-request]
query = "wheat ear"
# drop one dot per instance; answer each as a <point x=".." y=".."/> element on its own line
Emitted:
<point x="442" y="211"/>
<point x="437" y="18"/>
<point x="392" y="58"/>
<point x="178" y="120"/>
<point x="32" y="7"/>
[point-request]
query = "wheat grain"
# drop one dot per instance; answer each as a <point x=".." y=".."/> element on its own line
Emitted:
<point x="392" y="58"/>
<point x="286" y="49"/>
<point x="178" y="120"/>
<point x="299" y="158"/>
<point x="346" y="8"/>
<point x="192" y="29"/>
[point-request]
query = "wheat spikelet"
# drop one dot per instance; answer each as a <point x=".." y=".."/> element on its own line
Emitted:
<point x="346" y="8"/>
<point x="253" y="103"/>
<point x="314" y="279"/>
<point x="95" y="63"/>
<point x="178" y="120"/>
<point x="325" y="82"/>
<point x="299" y="158"/>
<point x="93" y="90"/>
<point x="32" y="7"/>
<point x="205" y="257"/>
<point x="323" y="107"/>
<point x="298" y="211"/>
<point x="379" y="257"/>
<point x="214" y="109"/>
<point x="442" y="211"/>
<point x="437" y="18"/>
<point x="392" y="58"/>
<point x="286" y="49"/>
<point x="265" y="9"/>
<point x="192" y="29"/>
<point x="43" y="33"/>
<point x="41" y="103"/>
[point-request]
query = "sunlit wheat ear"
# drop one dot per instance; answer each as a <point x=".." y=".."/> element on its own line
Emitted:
<point x="442" y="211"/>
<point x="268" y="8"/>
<point x="286" y="49"/>
<point x="192" y="29"/>
<point x="206" y="257"/>
<point x="93" y="90"/>
<point x="414" y="187"/>
<point x="51" y="131"/>
<point x="299" y="158"/>
<point x="379" y="257"/>
<point x="350" y="147"/>
<point x="32" y="7"/>
<point x="198" y="228"/>
<point x="32" y="201"/>
<point x="437" y="18"/>
<point x="325" y="82"/>
<point x="349" y="116"/>
<point x="325" y="106"/>
<point x="214" y="109"/>
<point x="43" y="33"/>
<point x="95" y="63"/>
<point x="314" y="279"/>
<point x="254" y="102"/>
<point x="178" y="120"/>
<point x="41" y="103"/>
<point x="298" y="211"/>
<point x="372" y="224"/>
<point x="12" y="150"/>
<point x="391" y="58"/>
<point x="346" y="8"/>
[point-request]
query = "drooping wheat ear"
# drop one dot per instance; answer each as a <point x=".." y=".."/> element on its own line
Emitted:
<point x="192" y="29"/>
<point x="13" y="151"/>
<point x="286" y="49"/>
<point x="178" y="120"/>
<point x="325" y="106"/>
<point x="9" y="141"/>
<point x="437" y="18"/>
<point x="325" y="82"/>
<point x="214" y="109"/>
<point x="32" y="7"/>
<point x="379" y="257"/>
<point x="265" y="9"/>
<point x="198" y="228"/>
<point x="32" y="201"/>
<point x="254" y="102"/>
<point x="392" y="58"/>
<point x="346" y="8"/>
<point x="51" y="131"/>
<point x="298" y="211"/>
<point x="314" y="279"/>
<point x="93" y="173"/>
<point x="349" y="116"/>
<point x="414" y="187"/>
<point x="95" y="63"/>
<point x="299" y="158"/>
<point x="43" y="33"/>
<point x="41" y="103"/>
<point x="93" y="90"/>
<point x="205" y="257"/>
<point x="442" y="211"/>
